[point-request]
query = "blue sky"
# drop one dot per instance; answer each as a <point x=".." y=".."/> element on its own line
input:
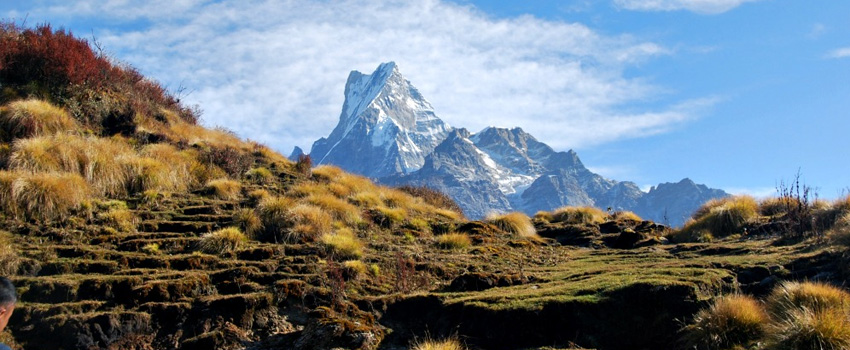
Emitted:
<point x="737" y="94"/>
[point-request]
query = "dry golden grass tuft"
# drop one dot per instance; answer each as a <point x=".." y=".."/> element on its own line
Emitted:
<point x="7" y="183"/>
<point x="308" y="223"/>
<point x="121" y="219"/>
<point x="446" y="344"/>
<point x="222" y="241"/>
<point x="198" y="135"/>
<point x="340" y="209"/>
<point x="48" y="196"/>
<point x="807" y="329"/>
<point x="388" y="217"/>
<point x="842" y="204"/>
<point x="579" y="215"/>
<point x="839" y="233"/>
<point x="789" y="296"/>
<point x="248" y="221"/>
<point x="454" y="241"/>
<point x="394" y="198"/>
<point x="355" y="267"/>
<point x="733" y="320"/>
<point x="327" y="173"/>
<point x="224" y="188"/>
<point x="273" y="212"/>
<point x="342" y="244"/>
<point x="447" y="214"/>
<point x="305" y="189"/>
<point x="627" y="215"/>
<point x="355" y="183"/>
<point x="9" y="259"/>
<point x="720" y="218"/>
<point x="260" y="176"/>
<point x="32" y="117"/>
<point x="433" y="197"/>
<point x="367" y="199"/>
<point x="177" y="166"/>
<point x="102" y="162"/>
<point x="544" y="216"/>
<point x="516" y="223"/>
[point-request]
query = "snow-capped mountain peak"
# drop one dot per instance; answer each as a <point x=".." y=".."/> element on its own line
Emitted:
<point x="388" y="131"/>
<point x="386" y="126"/>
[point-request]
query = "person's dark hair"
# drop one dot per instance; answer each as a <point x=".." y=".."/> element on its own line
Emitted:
<point x="7" y="291"/>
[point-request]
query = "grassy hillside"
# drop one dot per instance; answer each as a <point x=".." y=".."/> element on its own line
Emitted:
<point x="127" y="225"/>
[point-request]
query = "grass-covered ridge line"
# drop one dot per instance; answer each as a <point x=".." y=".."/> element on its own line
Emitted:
<point x="125" y="224"/>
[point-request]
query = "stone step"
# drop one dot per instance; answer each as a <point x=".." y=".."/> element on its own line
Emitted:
<point x="80" y="266"/>
<point x="193" y="227"/>
<point x="170" y="244"/>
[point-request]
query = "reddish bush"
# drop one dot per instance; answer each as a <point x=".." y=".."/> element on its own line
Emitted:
<point x="54" y="65"/>
<point x="56" y="59"/>
<point x="304" y="165"/>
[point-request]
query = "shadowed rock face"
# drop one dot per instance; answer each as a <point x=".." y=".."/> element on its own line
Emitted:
<point x="389" y="132"/>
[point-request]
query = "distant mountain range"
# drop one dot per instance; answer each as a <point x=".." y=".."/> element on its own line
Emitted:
<point x="389" y="132"/>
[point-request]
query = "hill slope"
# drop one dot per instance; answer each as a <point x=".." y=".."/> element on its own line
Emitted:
<point x="136" y="228"/>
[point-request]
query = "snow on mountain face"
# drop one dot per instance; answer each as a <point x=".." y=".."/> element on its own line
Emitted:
<point x="389" y="132"/>
<point x="386" y="126"/>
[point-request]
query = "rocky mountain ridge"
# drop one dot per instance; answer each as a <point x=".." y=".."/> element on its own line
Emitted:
<point x="389" y="132"/>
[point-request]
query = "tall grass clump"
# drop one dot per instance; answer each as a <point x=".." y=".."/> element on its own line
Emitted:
<point x="308" y="223"/>
<point x="222" y="241"/>
<point x="446" y="344"/>
<point x="433" y="197"/>
<point x="223" y="188"/>
<point x="454" y="241"/>
<point x="9" y="259"/>
<point x="840" y="232"/>
<point x="102" y="162"/>
<point x="248" y="221"/>
<point x="394" y="198"/>
<point x="342" y="244"/>
<point x="516" y="223"/>
<point x="273" y="212"/>
<point x="808" y="329"/>
<point x="340" y="209"/>
<point x="387" y="217"/>
<point x="776" y="206"/>
<point x="810" y="295"/>
<point x="32" y="117"/>
<point x="719" y="218"/>
<point x="48" y="196"/>
<point x="809" y="315"/>
<point x="177" y="166"/>
<point x="579" y="215"/>
<point x="260" y="175"/>
<point x="628" y="216"/>
<point x="733" y="320"/>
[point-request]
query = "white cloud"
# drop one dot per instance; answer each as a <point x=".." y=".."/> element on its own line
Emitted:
<point x="699" y="6"/>
<point x="757" y="192"/>
<point x="274" y="71"/>
<point x="843" y="52"/>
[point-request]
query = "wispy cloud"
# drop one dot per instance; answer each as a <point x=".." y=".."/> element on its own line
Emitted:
<point x="757" y="192"/>
<point x="274" y="71"/>
<point x="843" y="52"/>
<point x="709" y="7"/>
